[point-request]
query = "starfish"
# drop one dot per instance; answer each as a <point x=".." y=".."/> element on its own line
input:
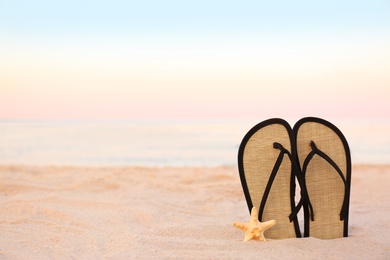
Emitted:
<point x="254" y="229"/>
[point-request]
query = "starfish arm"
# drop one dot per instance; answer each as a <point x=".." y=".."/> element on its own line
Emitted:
<point x="248" y="236"/>
<point x="266" y="225"/>
<point x="242" y="226"/>
<point x="254" y="218"/>
<point x="261" y="237"/>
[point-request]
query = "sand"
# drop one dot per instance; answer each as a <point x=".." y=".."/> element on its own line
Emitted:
<point x="169" y="213"/>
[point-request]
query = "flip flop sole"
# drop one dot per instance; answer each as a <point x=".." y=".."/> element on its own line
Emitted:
<point x="326" y="189"/>
<point x="256" y="160"/>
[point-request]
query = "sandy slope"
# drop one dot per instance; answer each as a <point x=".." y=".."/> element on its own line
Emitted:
<point x="186" y="213"/>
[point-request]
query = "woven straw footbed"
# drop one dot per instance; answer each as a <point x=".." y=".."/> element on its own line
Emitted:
<point x="258" y="160"/>
<point x="324" y="185"/>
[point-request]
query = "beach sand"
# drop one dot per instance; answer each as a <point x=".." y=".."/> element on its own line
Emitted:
<point x="170" y="213"/>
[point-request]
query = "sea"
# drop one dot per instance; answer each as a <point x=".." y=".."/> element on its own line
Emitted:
<point x="158" y="143"/>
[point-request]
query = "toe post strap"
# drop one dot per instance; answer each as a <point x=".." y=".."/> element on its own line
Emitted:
<point x="316" y="151"/>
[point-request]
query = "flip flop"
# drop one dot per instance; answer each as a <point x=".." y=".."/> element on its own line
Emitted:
<point x="324" y="158"/>
<point x="265" y="163"/>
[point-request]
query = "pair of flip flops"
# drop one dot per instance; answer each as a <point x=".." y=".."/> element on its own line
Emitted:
<point x="273" y="157"/>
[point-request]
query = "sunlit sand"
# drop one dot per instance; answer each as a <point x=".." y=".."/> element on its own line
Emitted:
<point x="169" y="212"/>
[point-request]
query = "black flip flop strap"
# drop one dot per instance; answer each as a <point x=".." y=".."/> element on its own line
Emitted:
<point x="294" y="213"/>
<point x="303" y="200"/>
<point x="305" y="164"/>
<point x="272" y="177"/>
<point x="315" y="150"/>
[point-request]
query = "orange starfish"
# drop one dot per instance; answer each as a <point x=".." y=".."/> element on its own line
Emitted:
<point x="254" y="229"/>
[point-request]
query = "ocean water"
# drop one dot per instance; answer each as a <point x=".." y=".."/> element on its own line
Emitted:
<point x="158" y="143"/>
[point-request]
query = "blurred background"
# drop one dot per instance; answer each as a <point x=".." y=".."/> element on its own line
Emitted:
<point x="208" y="69"/>
<point x="194" y="59"/>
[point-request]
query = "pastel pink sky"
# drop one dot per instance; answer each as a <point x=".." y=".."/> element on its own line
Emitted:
<point x="219" y="81"/>
<point x="59" y="81"/>
<point x="72" y="60"/>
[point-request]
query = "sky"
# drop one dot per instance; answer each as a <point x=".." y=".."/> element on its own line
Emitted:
<point x="194" y="59"/>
